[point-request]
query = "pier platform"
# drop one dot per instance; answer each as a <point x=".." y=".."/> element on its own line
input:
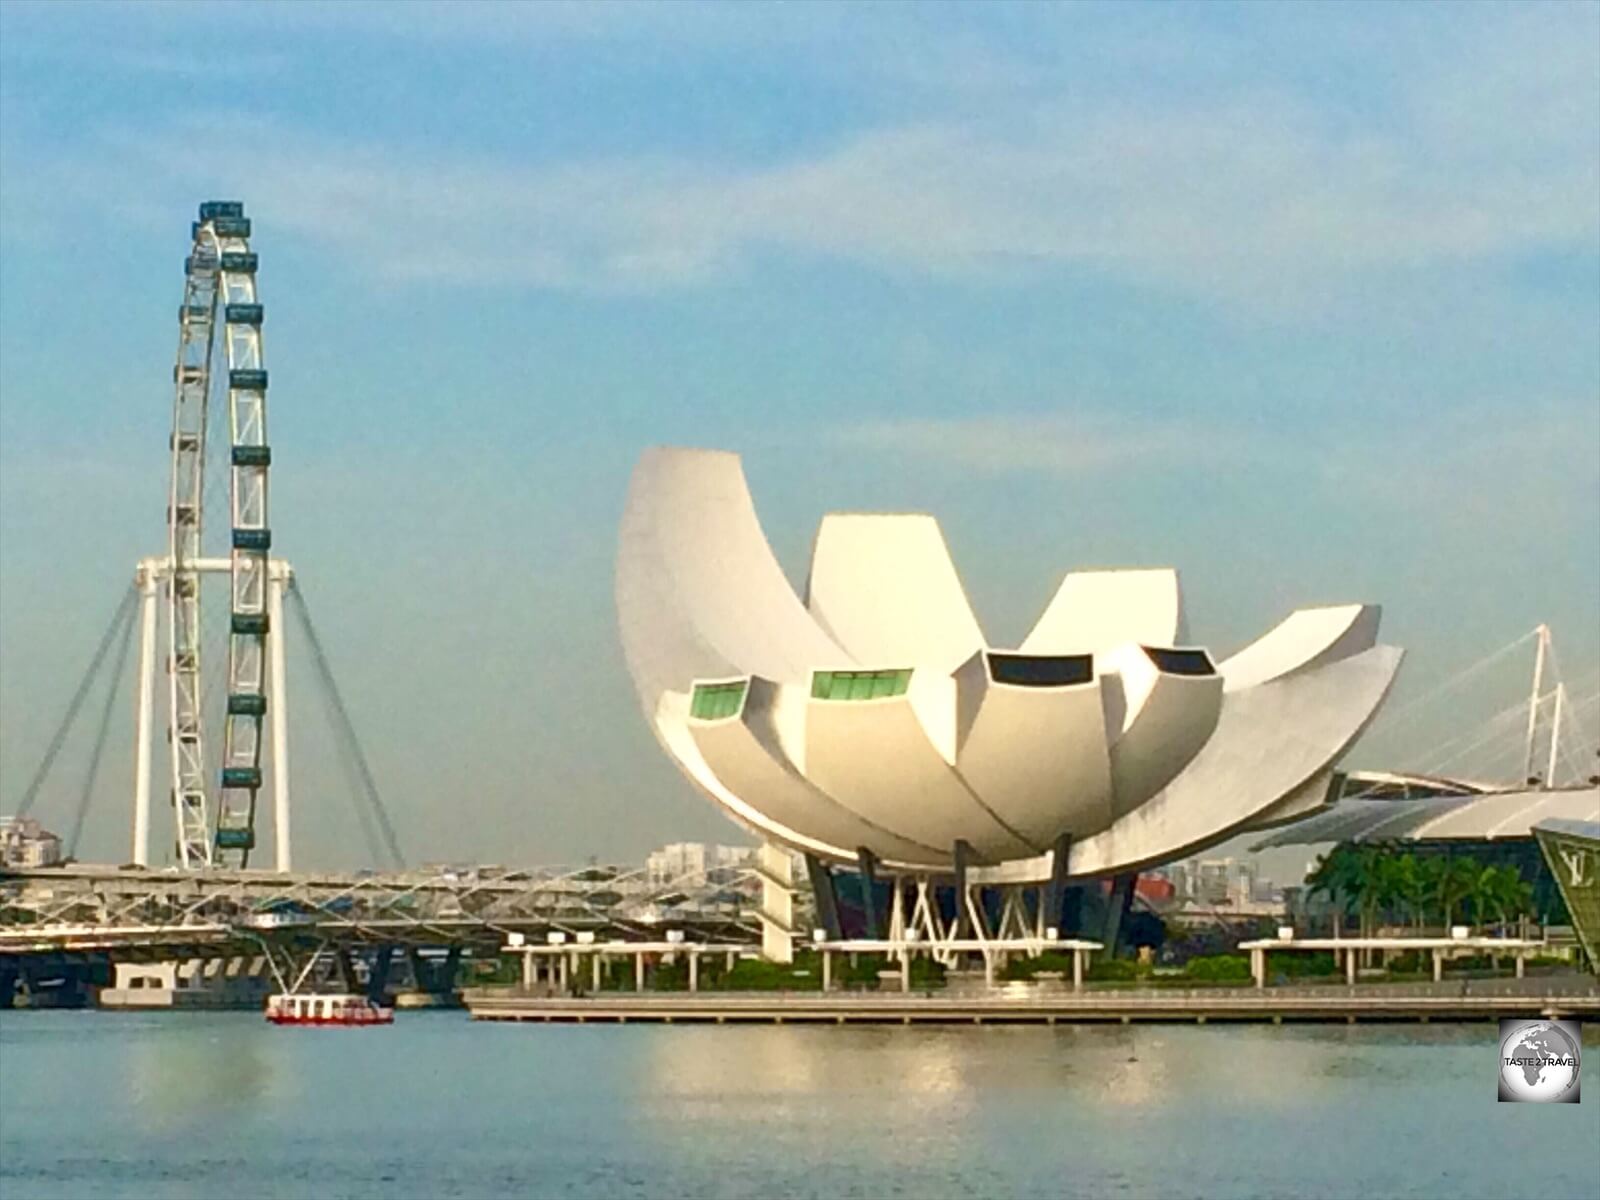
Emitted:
<point x="1576" y="996"/>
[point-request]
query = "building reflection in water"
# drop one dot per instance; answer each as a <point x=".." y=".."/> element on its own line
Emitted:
<point x="173" y="1079"/>
<point x="936" y="1075"/>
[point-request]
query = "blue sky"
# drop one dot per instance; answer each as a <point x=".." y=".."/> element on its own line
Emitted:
<point x="1301" y="299"/>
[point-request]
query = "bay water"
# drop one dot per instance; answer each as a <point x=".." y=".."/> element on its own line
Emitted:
<point x="114" y="1105"/>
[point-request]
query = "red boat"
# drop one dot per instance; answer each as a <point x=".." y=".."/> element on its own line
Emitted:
<point x="338" y="1008"/>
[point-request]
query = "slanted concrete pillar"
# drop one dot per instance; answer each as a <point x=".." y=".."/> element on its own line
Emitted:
<point x="775" y="866"/>
<point x="824" y="888"/>
<point x="962" y="854"/>
<point x="1053" y="895"/>
<point x="1119" y="904"/>
<point x="869" y="901"/>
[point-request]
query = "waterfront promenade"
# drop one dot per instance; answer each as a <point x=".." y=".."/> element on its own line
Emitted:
<point x="1476" y="1000"/>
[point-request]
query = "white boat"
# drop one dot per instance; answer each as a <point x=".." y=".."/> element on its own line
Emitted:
<point x="326" y="1008"/>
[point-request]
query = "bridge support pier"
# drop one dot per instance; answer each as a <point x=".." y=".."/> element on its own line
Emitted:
<point x="378" y="978"/>
<point x="347" y="969"/>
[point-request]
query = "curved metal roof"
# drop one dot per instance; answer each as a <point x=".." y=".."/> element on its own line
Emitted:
<point x="1440" y="818"/>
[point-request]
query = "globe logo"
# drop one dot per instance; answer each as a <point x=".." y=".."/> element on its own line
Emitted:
<point x="1539" y="1061"/>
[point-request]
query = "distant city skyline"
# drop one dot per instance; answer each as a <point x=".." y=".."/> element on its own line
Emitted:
<point x="1300" y="300"/>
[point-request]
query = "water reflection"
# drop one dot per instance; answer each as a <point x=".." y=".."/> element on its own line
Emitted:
<point x="215" y="1104"/>
<point x="175" y="1078"/>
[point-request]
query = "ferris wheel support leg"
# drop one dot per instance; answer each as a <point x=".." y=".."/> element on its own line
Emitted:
<point x="144" y="713"/>
<point x="279" y="713"/>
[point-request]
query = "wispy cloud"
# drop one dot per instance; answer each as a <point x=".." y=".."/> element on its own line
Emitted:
<point x="1082" y="444"/>
<point x="1244" y="205"/>
<point x="1246" y="196"/>
<point x="1497" y="466"/>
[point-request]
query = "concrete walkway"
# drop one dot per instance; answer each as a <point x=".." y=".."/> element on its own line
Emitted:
<point x="1465" y="1001"/>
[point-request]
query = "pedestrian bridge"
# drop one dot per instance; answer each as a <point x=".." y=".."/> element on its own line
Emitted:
<point x="143" y="912"/>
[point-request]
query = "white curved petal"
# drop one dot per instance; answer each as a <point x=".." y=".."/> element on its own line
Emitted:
<point x="699" y="593"/>
<point x="1305" y="639"/>
<point x="1317" y="794"/>
<point x="1159" y="720"/>
<point x="875" y="757"/>
<point x="1037" y="755"/>
<point x="884" y="586"/>
<point x="670" y="721"/>
<point x="1269" y="741"/>
<point x="1096" y="610"/>
<point x="743" y="753"/>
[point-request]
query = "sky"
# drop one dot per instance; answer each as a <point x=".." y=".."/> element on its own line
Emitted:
<point x="1301" y="299"/>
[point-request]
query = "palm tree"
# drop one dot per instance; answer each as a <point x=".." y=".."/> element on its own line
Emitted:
<point x="1454" y="880"/>
<point x="1410" y="887"/>
<point x="1504" y="893"/>
<point x="1337" y="876"/>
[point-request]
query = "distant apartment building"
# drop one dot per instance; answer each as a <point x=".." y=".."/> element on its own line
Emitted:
<point x="24" y="843"/>
<point x="1213" y="880"/>
<point x="678" y="860"/>
<point x="1205" y="890"/>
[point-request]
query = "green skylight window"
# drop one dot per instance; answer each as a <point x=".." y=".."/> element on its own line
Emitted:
<point x="714" y="701"/>
<point x="859" y="685"/>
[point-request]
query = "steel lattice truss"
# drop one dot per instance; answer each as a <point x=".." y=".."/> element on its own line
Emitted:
<point x="222" y="912"/>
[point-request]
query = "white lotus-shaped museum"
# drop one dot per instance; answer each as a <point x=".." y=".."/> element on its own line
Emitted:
<point x="875" y="717"/>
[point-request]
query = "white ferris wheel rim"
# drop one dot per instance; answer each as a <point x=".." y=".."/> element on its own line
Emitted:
<point x="215" y="819"/>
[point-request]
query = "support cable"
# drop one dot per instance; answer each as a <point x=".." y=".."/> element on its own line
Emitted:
<point x="352" y="778"/>
<point x="124" y="613"/>
<point x="93" y="772"/>
<point x="1499" y="738"/>
<point x="1576" y="763"/>
<point x="369" y="786"/>
<point x="1394" y="718"/>
<point x="1451" y="750"/>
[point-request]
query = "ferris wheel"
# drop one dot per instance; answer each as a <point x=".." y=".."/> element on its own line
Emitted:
<point x="226" y="693"/>
<point x="215" y="812"/>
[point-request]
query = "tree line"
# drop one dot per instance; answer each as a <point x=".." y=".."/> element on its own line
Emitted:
<point x="1370" y="881"/>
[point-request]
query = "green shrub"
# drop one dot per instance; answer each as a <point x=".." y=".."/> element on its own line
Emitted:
<point x="1408" y="962"/>
<point x="1218" y="968"/>
<point x="670" y="977"/>
<point x="758" y="975"/>
<point x="507" y="968"/>
<point x="1112" y="970"/>
<point x="1296" y="966"/>
<point x="863" y="973"/>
